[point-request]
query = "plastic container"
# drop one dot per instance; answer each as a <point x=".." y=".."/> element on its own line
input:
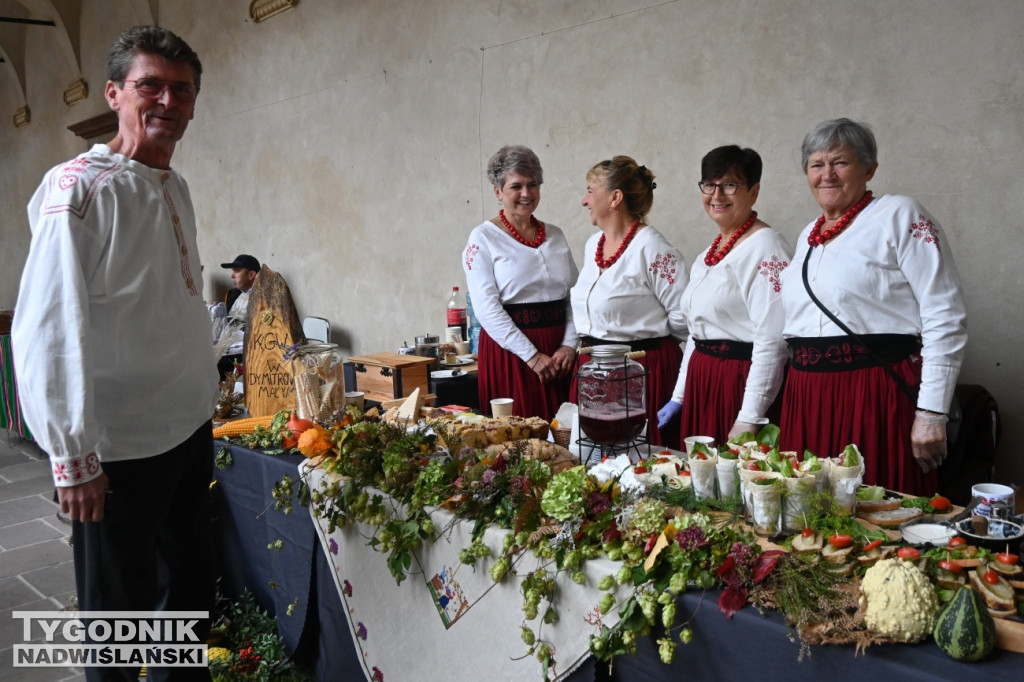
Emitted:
<point x="474" y="326"/>
<point x="456" y="313"/>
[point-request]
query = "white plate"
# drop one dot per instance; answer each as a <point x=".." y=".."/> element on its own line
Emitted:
<point x="928" y="534"/>
<point x="458" y="363"/>
<point x="468" y="358"/>
<point x="447" y="373"/>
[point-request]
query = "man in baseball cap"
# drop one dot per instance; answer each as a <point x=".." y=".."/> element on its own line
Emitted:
<point x="243" y="273"/>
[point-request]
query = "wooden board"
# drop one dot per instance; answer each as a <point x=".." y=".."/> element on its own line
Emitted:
<point x="1010" y="635"/>
<point x="272" y="325"/>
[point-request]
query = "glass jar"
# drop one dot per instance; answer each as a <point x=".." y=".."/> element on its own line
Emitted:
<point x="318" y="377"/>
<point x="611" y="396"/>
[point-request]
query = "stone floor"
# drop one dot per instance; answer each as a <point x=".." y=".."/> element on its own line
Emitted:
<point x="36" y="567"/>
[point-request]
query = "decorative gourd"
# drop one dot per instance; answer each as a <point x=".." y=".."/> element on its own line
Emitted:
<point x="964" y="629"/>
<point x="899" y="599"/>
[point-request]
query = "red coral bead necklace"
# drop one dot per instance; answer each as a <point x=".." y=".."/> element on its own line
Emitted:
<point x="714" y="256"/>
<point x="518" y="237"/>
<point x="599" y="255"/>
<point x="819" y="236"/>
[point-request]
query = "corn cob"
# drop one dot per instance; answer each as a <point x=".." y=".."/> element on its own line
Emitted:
<point x="240" y="427"/>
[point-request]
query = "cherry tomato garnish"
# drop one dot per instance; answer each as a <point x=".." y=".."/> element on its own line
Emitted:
<point x="807" y="532"/>
<point x="950" y="566"/>
<point x="872" y="545"/>
<point x="1007" y="558"/>
<point x="908" y="553"/>
<point x="991" y="577"/>
<point x="940" y="504"/>
<point x="765" y="448"/>
<point x="957" y="541"/>
<point x="840" y="540"/>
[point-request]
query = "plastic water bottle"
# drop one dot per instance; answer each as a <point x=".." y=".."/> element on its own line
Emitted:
<point x="457" y="312"/>
<point x="474" y="326"/>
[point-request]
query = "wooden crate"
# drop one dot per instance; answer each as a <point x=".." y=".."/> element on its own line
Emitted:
<point x="386" y="376"/>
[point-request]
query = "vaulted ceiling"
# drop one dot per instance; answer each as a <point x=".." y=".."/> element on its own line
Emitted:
<point x="18" y="18"/>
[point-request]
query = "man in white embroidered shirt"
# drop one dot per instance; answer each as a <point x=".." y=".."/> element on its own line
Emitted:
<point x="115" y="367"/>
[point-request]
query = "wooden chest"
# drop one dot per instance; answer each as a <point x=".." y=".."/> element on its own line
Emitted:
<point x="385" y="376"/>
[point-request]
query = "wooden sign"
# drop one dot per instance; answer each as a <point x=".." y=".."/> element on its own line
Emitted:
<point x="272" y="325"/>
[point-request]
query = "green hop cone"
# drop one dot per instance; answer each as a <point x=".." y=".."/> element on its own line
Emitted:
<point x="668" y="614"/>
<point x="499" y="569"/>
<point x="686" y="635"/>
<point x="606" y="603"/>
<point x="624" y="575"/>
<point x="607" y="583"/>
<point x="666" y="650"/>
<point x="528" y="637"/>
<point x="579" y="577"/>
<point x="649" y="606"/>
<point x="677" y="583"/>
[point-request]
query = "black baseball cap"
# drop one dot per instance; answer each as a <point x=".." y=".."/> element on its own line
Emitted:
<point x="243" y="261"/>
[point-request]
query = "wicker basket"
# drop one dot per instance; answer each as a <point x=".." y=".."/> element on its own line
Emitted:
<point x="562" y="436"/>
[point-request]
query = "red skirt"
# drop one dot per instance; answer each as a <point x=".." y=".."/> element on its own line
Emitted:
<point x="662" y="364"/>
<point x="502" y="374"/>
<point x="825" y="411"/>
<point x="713" y="397"/>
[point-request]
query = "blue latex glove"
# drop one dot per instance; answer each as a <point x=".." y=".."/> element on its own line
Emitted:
<point x="669" y="412"/>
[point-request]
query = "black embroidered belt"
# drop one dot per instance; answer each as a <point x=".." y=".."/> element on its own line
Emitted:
<point x="842" y="353"/>
<point x="725" y="348"/>
<point x="639" y="344"/>
<point x="536" y="315"/>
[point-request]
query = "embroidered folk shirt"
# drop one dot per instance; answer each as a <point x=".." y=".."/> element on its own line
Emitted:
<point x="740" y="299"/>
<point x="638" y="297"/>
<point x="500" y="270"/>
<point x="111" y="335"/>
<point x="890" y="272"/>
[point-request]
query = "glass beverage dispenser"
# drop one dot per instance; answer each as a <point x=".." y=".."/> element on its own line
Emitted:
<point x="612" y="390"/>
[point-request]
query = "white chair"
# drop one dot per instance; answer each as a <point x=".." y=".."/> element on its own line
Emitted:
<point x="316" y="329"/>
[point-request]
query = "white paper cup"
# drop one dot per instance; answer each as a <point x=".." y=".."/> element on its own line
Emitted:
<point x="355" y="398"/>
<point x="462" y="347"/>
<point x="453" y="334"/>
<point x="989" y="493"/>
<point x="501" y="407"/>
<point x="690" y="441"/>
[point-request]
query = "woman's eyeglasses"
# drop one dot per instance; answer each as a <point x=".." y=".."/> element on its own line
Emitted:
<point x="728" y="188"/>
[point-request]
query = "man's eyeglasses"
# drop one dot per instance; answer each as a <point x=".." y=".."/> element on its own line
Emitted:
<point x="152" y="88"/>
<point x="728" y="188"/>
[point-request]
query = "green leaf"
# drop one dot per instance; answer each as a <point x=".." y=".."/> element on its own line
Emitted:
<point x="768" y="435"/>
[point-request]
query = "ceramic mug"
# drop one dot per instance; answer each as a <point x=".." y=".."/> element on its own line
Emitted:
<point x="989" y="493"/>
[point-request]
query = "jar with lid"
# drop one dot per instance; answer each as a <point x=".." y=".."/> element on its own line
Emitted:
<point x="612" y="390"/>
<point x="319" y="381"/>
